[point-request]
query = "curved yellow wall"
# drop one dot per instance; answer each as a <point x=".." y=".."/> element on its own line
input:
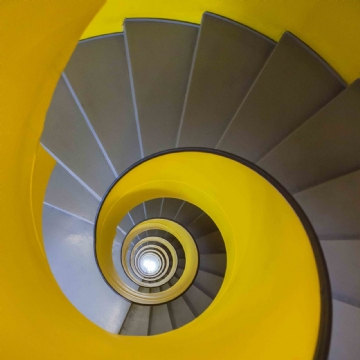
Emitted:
<point x="36" y="40"/>
<point x="42" y="168"/>
<point x="330" y="27"/>
<point x="271" y="292"/>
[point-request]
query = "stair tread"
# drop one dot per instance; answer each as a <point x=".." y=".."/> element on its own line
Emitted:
<point x="126" y="223"/>
<point x="209" y="284"/>
<point x="345" y="334"/>
<point x="180" y="313"/>
<point x="215" y="89"/>
<point x="153" y="208"/>
<point x="197" y="300"/>
<point x="330" y="138"/>
<point x="174" y="242"/>
<point x="333" y="207"/>
<point x="137" y="321"/>
<point x="67" y="135"/>
<point x="179" y="271"/>
<point x="65" y="192"/>
<point x="212" y="243"/>
<point x="161" y="233"/>
<point x="137" y="213"/>
<point x="171" y="207"/>
<point x="69" y="247"/>
<point x="188" y="213"/>
<point x="151" y="232"/>
<point x="98" y="72"/>
<point x="181" y="263"/>
<point x="116" y="256"/>
<point x="213" y="263"/>
<point x="343" y="261"/>
<point x="160" y="321"/>
<point x="293" y="85"/>
<point x="160" y="54"/>
<point x="202" y="226"/>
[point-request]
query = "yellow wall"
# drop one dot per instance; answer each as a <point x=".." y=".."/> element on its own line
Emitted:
<point x="330" y="27"/>
<point x="271" y="292"/>
<point x="42" y="169"/>
<point x="36" y="40"/>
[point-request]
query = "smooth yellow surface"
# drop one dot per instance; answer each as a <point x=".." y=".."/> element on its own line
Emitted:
<point x="36" y="40"/>
<point x="43" y="166"/>
<point x="330" y="27"/>
<point x="271" y="294"/>
<point x="37" y="321"/>
<point x="118" y="203"/>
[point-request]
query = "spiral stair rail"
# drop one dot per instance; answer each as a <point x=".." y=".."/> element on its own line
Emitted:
<point x="197" y="181"/>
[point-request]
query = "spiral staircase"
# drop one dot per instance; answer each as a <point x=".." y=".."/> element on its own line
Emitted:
<point x="158" y="131"/>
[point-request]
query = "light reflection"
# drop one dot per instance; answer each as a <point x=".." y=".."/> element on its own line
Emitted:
<point x="150" y="264"/>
